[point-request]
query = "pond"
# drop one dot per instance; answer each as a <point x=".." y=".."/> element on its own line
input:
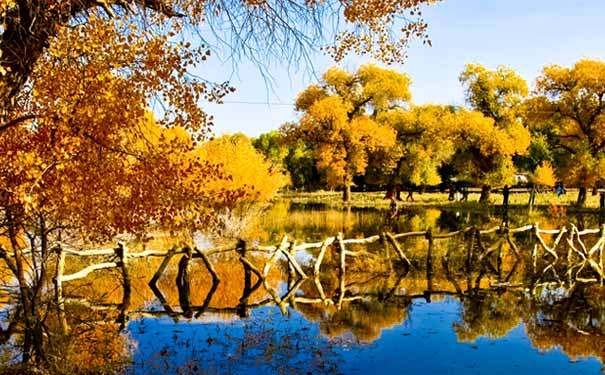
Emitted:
<point x="472" y="303"/>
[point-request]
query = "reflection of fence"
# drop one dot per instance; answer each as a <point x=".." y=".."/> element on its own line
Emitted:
<point x="579" y="260"/>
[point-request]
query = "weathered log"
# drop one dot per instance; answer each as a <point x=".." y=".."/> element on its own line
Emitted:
<point x="392" y="240"/>
<point x="521" y="229"/>
<point x="429" y="265"/>
<point x="409" y="234"/>
<point x="342" y="270"/>
<point x="322" y="252"/>
<point x="294" y="264"/>
<point x="548" y="249"/>
<point x="282" y="246"/>
<point x="491" y="230"/>
<point x="362" y="241"/>
<point x="183" y="284"/>
<point x="84" y="272"/>
<point x="158" y="273"/>
<point x="122" y="254"/>
<point x="208" y="264"/>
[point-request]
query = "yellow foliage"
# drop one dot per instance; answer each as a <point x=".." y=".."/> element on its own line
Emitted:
<point x="569" y="104"/>
<point x="247" y="169"/>
<point x="484" y="151"/>
<point x="425" y="142"/>
<point x="337" y="124"/>
<point x="544" y="174"/>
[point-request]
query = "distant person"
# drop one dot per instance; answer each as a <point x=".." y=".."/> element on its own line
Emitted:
<point x="410" y="196"/>
<point x="390" y="193"/>
<point x="532" y="194"/>
<point x="398" y="192"/>
<point x="560" y="189"/>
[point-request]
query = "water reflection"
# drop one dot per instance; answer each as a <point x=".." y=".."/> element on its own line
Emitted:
<point x="475" y="290"/>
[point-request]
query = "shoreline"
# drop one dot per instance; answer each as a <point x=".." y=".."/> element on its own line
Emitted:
<point x="517" y="201"/>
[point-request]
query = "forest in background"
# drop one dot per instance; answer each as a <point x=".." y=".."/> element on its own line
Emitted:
<point x="362" y="129"/>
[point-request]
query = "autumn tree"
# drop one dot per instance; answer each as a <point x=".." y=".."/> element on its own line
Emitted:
<point x="497" y="95"/>
<point x="339" y="119"/>
<point x="568" y="108"/>
<point x="77" y="81"/>
<point x="483" y="150"/>
<point x="243" y="166"/>
<point x="424" y="143"/>
<point x="29" y="28"/>
<point x="94" y="162"/>
<point x="544" y="175"/>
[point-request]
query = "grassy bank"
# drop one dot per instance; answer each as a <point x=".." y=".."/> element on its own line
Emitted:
<point x="517" y="200"/>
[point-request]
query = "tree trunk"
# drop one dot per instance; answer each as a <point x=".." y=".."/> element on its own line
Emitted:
<point x="485" y="191"/>
<point x="581" y="197"/>
<point x="346" y="193"/>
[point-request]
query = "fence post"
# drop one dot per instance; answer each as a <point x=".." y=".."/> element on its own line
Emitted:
<point x="122" y="253"/>
<point x="429" y="265"/>
<point x="182" y="283"/>
<point x="342" y="268"/>
<point x="242" y="307"/>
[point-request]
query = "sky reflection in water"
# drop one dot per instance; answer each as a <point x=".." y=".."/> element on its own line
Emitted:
<point x="269" y="343"/>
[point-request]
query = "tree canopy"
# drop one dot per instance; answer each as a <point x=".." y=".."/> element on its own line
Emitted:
<point x="424" y="142"/>
<point x="283" y="28"/>
<point x="568" y="107"/>
<point x="339" y="119"/>
<point x="488" y="144"/>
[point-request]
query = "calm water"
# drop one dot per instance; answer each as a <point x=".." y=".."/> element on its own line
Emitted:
<point x="434" y="317"/>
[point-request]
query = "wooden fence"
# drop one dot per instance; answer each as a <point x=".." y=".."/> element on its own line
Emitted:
<point x="579" y="259"/>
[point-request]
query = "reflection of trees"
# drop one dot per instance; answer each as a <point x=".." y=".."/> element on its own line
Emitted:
<point x="94" y="344"/>
<point x="365" y="319"/>
<point x="492" y="273"/>
<point x="573" y="320"/>
<point x="491" y="315"/>
<point x="373" y="305"/>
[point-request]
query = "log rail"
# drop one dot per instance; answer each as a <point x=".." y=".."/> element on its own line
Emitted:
<point x="579" y="256"/>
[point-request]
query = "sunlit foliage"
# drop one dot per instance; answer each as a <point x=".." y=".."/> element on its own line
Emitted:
<point x="489" y="144"/>
<point x="339" y="119"/>
<point x="282" y="28"/>
<point x="483" y="150"/>
<point x="424" y="143"/>
<point x="244" y="167"/>
<point x="568" y="107"/>
<point x="544" y="175"/>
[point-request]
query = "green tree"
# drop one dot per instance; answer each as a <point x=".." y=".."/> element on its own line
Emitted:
<point x="497" y="95"/>
<point x="569" y="107"/>
<point x="273" y="146"/>
<point x="339" y="119"/>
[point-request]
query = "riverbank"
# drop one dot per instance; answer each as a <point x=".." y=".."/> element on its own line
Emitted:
<point x="517" y="200"/>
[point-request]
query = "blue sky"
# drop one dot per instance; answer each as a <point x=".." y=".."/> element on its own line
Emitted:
<point x="524" y="35"/>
